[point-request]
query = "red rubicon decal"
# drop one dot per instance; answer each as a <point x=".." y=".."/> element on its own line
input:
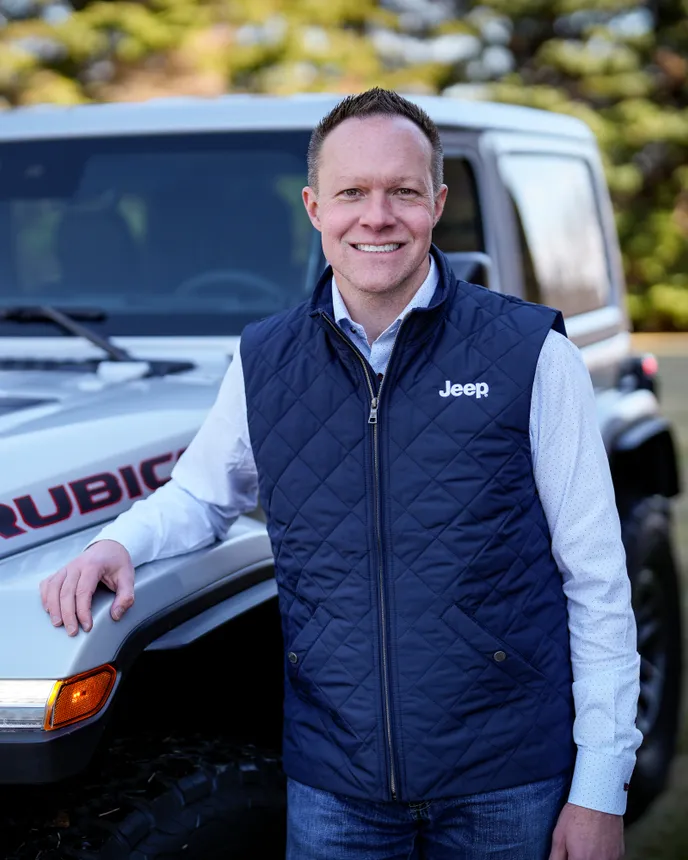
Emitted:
<point x="8" y="523"/>
<point x="91" y="493"/>
<point x="131" y="482"/>
<point x="29" y="511"/>
<point x="96" y="491"/>
<point x="150" y="479"/>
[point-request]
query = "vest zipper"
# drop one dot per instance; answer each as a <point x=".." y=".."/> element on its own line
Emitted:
<point x="372" y="419"/>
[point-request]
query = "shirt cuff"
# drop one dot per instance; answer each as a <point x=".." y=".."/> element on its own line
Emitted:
<point x="137" y="553"/>
<point x="601" y="781"/>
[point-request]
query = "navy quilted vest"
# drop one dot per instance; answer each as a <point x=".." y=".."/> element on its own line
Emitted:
<point x="423" y="615"/>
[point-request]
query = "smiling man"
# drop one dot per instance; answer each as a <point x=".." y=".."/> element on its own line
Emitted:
<point x="448" y="553"/>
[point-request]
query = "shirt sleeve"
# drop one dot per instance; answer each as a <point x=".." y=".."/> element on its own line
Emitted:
<point x="212" y="483"/>
<point x="574" y="483"/>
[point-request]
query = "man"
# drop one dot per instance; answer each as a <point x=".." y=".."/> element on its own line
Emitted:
<point x="447" y="546"/>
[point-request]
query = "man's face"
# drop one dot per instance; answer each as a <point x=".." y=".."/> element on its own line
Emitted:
<point x="375" y="205"/>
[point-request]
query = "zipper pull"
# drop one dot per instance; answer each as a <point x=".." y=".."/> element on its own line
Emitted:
<point x="372" y="418"/>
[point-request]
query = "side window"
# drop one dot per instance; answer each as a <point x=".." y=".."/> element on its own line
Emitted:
<point x="459" y="228"/>
<point x="562" y="245"/>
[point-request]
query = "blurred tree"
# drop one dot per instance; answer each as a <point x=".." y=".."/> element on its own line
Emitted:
<point x="123" y="49"/>
<point x="621" y="65"/>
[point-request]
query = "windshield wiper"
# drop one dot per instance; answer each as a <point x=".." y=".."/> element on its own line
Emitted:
<point x="68" y="321"/>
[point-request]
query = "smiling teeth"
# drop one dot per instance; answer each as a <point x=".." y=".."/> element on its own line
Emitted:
<point x="377" y="249"/>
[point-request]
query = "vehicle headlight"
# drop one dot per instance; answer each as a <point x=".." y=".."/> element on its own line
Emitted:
<point x="23" y="703"/>
<point x="38" y="704"/>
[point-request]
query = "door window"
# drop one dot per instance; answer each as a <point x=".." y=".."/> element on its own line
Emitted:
<point x="561" y="239"/>
<point x="459" y="229"/>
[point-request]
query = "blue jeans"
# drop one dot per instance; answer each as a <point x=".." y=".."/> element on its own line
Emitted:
<point x="510" y="824"/>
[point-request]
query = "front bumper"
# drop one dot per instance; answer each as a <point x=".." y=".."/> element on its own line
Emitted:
<point x="35" y="757"/>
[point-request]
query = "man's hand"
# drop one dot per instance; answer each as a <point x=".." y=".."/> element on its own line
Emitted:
<point x="67" y="594"/>
<point x="585" y="834"/>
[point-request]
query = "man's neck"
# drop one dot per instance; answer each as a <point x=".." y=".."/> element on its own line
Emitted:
<point x="377" y="311"/>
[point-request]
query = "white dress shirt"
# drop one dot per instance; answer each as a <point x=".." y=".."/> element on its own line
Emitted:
<point x="215" y="480"/>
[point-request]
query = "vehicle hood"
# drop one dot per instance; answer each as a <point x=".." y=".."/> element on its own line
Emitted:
<point x="78" y="448"/>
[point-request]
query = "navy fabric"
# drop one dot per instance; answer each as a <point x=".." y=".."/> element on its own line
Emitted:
<point x="423" y="614"/>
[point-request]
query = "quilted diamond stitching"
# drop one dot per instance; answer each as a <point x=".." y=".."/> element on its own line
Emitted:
<point x="407" y="568"/>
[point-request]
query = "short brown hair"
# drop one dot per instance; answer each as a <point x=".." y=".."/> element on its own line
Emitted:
<point x="375" y="102"/>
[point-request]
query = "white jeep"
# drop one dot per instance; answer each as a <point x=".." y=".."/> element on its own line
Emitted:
<point x="136" y="241"/>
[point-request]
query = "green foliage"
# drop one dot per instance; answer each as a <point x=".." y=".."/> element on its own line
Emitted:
<point x="630" y="84"/>
<point x="619" y="65"/>
<point x="663" y="308"/>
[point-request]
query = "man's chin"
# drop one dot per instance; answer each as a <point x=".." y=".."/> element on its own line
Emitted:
<point x="376" y="277"/>
<point x="376" y="286"/>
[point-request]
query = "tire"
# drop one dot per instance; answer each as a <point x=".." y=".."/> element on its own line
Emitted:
<point x="192" y="799"/>
<point x="657" y="607"/>
<point x="228" y="811"/>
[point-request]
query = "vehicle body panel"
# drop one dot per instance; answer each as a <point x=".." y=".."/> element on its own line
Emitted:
<point x="161" y="586"/>
<point x="97" y="445"/>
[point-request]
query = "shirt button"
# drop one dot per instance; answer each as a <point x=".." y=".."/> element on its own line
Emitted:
<point x="499" y="656"/>
<point x="293" y="658"/>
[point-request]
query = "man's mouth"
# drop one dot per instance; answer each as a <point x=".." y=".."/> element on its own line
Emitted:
<point x="379" y="249"/>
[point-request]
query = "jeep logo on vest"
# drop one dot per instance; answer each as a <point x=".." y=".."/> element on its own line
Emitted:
<point x="470" y="389"/>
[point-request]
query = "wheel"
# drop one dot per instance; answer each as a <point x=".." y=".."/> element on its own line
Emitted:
<point x="196" y="800"/>
<point x="657" y="606"/>
<point x="235" y="810"/>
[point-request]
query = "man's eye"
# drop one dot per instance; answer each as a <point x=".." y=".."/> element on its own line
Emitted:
<point x="350" y="192"/>
<point x="406" y="192"/>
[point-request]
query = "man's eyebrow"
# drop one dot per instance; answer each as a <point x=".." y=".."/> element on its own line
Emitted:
<point x="356" y="181"/>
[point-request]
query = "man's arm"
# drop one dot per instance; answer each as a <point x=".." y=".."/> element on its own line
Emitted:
<point x="574" y="483"/>
<point x="212" y="483"/>
<point x="575" y="487"/>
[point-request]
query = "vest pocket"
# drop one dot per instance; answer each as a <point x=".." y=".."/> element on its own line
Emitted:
<point x="499" y="653"/>
<point x="304" y="659"/>
<point x="302" y="641"/>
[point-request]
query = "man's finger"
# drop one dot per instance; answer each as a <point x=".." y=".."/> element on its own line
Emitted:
<point x="68" y="601"/>
<point x="52" y="596"/>
<point x="43" y="588"/>
<point x="558" y="851"/>
<point x="124" y="597"/>
<point x="88" y="581"/>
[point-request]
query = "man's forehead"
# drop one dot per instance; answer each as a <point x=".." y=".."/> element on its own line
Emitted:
<point x="359" y="150"/>
<point x="372" y="128"/>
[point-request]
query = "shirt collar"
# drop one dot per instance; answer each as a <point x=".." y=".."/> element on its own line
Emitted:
<point x="421" y="299"/>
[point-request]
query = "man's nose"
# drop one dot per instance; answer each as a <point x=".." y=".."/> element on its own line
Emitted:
<point x="378" y="212"/>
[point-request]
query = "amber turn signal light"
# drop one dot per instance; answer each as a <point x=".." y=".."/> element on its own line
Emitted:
<point x="79" y="697"/>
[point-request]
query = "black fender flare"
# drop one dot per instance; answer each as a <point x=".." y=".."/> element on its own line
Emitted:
<point x="643" y="460"/>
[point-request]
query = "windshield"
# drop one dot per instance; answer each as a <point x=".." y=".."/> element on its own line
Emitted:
<point x="177" y="234"/>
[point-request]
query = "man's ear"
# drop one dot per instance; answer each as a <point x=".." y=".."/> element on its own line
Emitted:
<point x="310" y="201"/>
<point x="440" y="200"/>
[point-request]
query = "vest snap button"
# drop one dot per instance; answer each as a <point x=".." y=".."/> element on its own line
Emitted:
<point x="293" y="658"/>
<point x="499" y="656"/>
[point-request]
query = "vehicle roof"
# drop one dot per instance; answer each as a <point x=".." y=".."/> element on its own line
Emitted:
<point x="256" y="112"/>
